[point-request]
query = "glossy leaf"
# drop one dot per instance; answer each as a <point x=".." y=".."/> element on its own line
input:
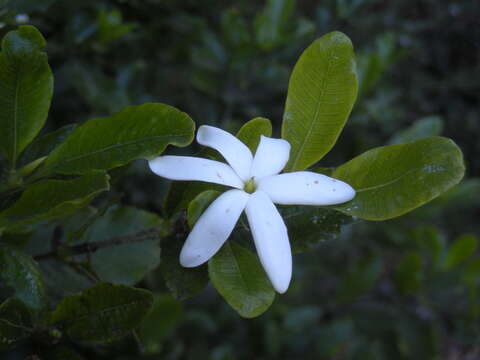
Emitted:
<point x="26" y="88"/>
<point x="251" y="132"/>
<point x="103" y="313"/>
<point x="15" y="323"/>
<point x="182" y="282"/>
<point x="461" y="249"/>
<point x="321" y="94"/>
<point x="393" y="180"/>
<point x="136" y="132"/>
<point x="310" y="226"/>
<point x="239" y="277"/>
<point x="128" y="263"/>
<point x="50" y="199"/>
<point x="20" y="273"/>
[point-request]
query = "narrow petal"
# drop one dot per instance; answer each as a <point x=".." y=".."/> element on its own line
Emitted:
<point x="305" y="188"/>
<point x="213" y="228"/>
<point x="271" y="240"/>
<point x="195" y="169"/>
<point x="271" y="157"/>
<point x="237" y="154"/>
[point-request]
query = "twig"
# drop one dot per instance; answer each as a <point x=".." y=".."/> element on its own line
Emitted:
<point x="144" y="235"/>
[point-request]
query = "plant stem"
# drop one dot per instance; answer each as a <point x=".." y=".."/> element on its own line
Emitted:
<point x="144" y="235"/>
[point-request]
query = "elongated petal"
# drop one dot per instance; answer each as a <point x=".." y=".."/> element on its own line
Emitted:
<point x="271" y="240"/>
<point x="270" y="158"/>
<point x="306" y="188"/>
<point x="237" y="154"/>
<point x="213" y="228"/>
<point x="195" y="169"/>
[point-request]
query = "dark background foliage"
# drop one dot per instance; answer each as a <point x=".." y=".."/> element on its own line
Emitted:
<point x="392" y="290"/>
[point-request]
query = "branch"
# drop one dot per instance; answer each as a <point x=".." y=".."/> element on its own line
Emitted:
<point x="67" y="251"/>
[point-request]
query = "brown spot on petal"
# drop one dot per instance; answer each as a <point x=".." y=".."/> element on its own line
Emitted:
<point x="316" y="181"/>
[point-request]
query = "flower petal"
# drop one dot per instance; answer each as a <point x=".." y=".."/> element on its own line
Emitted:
<point x="271" y="157"/>
<point x="195" y="169"/>
<point x="271" y="240"/>
<point x="306" y="188"/>
<point x="213" y="228"/>
<point x="237" y="154"/>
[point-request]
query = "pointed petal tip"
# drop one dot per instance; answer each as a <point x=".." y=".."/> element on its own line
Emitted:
<point x="189" y="259"/>
<point x="282" y="287"/>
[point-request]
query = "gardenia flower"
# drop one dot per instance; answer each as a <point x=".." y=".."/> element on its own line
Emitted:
<point x="257" y="186"/>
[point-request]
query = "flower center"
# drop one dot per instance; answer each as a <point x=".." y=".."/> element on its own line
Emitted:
<point x="250" y="186"/>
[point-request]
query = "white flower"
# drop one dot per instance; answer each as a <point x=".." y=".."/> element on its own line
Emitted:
<point x="257" y="186"/>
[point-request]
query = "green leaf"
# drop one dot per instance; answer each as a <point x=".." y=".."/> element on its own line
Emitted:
<point x="408" y="275"/>
<point x="128" y="263"/>
<point x="103" y="313"/>
<point x="162" y="320"/>
<point x="239" y="277"/>
<point x="136" y="132"/>
<point x="181" y="281"/>
<point x="42" y="146"/>
<point x="20" y="273"/>
<point x="26" y="88"/>
<point x="321" y="94"/>
<point x="198" y="205"/>
<point x="425" y="127"/>
<point x="309" y="226"/>
<point x="393" y="180"/>
<point x="50" y="199"/>
<point x="251" y="132"/>
<point x="271" y="24"/>
<point x="15" y="323"/>
<point x="461" y="249"/>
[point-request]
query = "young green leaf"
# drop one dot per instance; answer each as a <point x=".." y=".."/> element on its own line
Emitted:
<point x="50" y="199"/>
<point x="251" y="132"/>
<point x="136" y="132"/>
<point x="19" y="272"/>
<point x="321" y="94"/>
<point x="15" y="323"/>
<point x="26" y="88"/>
<point x="103" y="313"/>
<point x="393" y="180"/>
<point x="239" y="277"/>
<point x="127" y="263"/>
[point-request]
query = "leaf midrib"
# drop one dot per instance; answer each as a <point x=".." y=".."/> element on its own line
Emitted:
<point x="114" y="146"/>
<point x="315" y="116"/>
<point x="374" y="187"/>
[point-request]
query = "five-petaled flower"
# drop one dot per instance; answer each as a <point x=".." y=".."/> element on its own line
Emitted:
<point x="257" y="186"/>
